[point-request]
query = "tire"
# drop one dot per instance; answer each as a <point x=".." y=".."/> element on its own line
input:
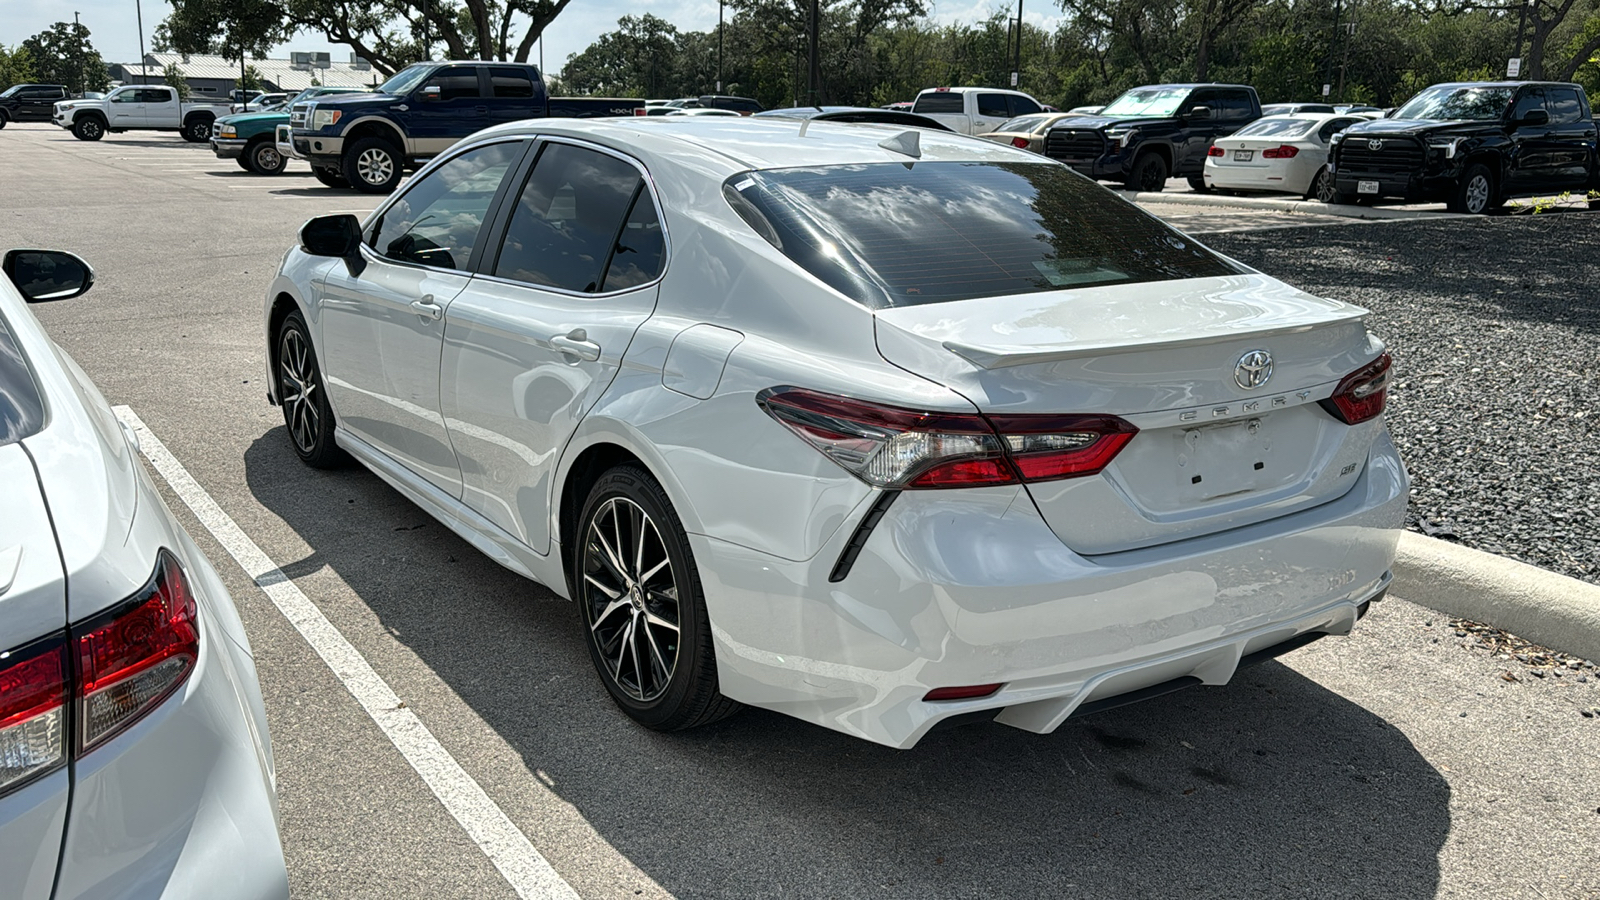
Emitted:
<point x="649" y="636"/>
<point x="330" y="178"/>
<point x="302" y="396"/>
<point x="1149" y="173"/>
<point x="263" y="158"/>
<point x="1475" y="194"/>
<point x="88" y="129"/>
<point x="197" y="130"/>
<point x="373" y="166"/>
<point x="243" y="163"/>
<point x="1322" y="188"/>
<point x="3" y="120"/>
<point x="1197" y="183"/>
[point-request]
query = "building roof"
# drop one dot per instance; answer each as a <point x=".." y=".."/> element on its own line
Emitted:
<point x="280" y="72"/>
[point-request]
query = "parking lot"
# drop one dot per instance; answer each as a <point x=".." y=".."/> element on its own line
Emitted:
<point x="1397" y="762"/>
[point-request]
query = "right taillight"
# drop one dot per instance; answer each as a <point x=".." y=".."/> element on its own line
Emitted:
<point x="1021" y="143"/>
<point x="1361" y="395"/>
<point x="897" y="448"/>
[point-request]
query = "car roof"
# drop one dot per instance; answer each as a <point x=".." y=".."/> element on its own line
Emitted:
<point x="1504" y="84"/>
<point x="1308" y="116"/>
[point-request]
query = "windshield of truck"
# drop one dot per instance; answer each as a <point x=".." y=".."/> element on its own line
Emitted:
<point x="1278" y="126"/>
<point x="906" y="234"/>
<point x="1156" y="103"/>
<point x="406" y="79"/>
<point x="1449" y="104"/>
<point x="10" y="90"/>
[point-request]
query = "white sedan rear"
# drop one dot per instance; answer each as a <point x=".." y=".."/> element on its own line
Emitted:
<point x="1287" y="154"/>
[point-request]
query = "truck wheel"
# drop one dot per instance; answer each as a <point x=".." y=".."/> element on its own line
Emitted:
<point x="2" y="120"/>
<point x="264" y="158"/>
<point x="1197" y="183"/>
<point x="1475" y="194"/>
<point x="1149" y="173"/>
<point x="197" y="130"/>
<point x="373" y="166"/>
<point x="330" y="178"/>
<point x="88" y="129"/>
<point x="243" y="163"/>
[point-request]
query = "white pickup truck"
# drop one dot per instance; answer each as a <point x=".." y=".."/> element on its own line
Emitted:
<point x="139" y="107"/>
<point x="974" y="110"/>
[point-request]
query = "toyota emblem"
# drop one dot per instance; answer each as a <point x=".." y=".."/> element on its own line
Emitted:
<point x="1253" y="369"/>
<point x="1375" y="144"/>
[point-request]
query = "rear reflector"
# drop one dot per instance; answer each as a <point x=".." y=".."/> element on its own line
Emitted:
<point x="968" y="692"/>
<point x="1362" y="394"/>
<point x="893" y="447"/>
<point x="34" y="683"/>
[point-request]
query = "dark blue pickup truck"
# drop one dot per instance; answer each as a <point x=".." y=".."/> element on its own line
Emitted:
<point x="369" y="141"/>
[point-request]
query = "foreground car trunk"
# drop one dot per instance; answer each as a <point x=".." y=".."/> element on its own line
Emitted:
<point x="1211" y="454"/>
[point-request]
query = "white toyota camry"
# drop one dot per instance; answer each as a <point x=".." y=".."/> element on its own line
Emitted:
<point x="872" y="427"/>
<point x="134" y="758"/>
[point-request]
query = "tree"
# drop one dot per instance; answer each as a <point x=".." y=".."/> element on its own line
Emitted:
<point x="16" y="66"/>
<point x="174" y="77"/>
<point x="62" y="54"/>
<point x="251" y="80"/>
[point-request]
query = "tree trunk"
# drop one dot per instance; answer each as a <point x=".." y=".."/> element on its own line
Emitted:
<point x="1570" y="70"/>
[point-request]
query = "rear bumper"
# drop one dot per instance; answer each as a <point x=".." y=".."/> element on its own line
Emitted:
<point x="972" y="587"/>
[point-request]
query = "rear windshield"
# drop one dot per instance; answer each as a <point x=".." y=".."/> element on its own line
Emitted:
<point x="1276" y="127"/>
<point x="1025" y="124"/>
<point x="905" y="234"/>
<point x="939" y="102"/>
<point x="21" y="407"/>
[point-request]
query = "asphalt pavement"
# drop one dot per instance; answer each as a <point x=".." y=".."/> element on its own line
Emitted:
<point x="1399" y="762"/>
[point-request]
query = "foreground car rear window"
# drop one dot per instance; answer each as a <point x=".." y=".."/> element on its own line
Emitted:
<point x="21" y="406"/>
<point x="905" y="234"/>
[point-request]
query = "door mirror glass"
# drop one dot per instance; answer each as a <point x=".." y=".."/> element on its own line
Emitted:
<point x="47" y="274"/>
<point x="337" y="236"/>
<point x="1535" y="117"/>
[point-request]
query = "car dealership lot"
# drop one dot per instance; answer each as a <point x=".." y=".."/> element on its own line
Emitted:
<point x="1390" y="763"/>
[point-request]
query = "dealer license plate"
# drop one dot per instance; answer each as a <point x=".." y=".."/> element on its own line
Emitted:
<point x="1243" y="155"/>
<point x="1366" y="187"/>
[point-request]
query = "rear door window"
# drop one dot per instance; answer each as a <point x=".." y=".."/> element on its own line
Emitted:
<point x="570" y="216"/>
<point x="455" y="83"/>
<point x="1565" y="108"/>
<point x="510" y="82"/>
<point x="1022" y="106"/>
<point x="436" y="223"/>
<point x="1235" y="105"/>
<point x="993" y="106"/>
<point x="154" y="95"/>
<point x="939" y="102"/>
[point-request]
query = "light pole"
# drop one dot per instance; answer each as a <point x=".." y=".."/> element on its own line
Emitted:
<point x="813" y="73"/>
<point x="719" y="46"/>
<point x="1016" y="62"/>
<point x="139" y="15"/>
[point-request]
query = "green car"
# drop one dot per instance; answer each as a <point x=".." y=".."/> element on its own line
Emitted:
<point x="248" y="137"/>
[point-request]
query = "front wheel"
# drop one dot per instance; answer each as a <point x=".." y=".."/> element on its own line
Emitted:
<point x="264" y="159"/>
<point x="373" y="166"/>
<point x="1474" y="195"/>
<point x="88" y="129"/>
<point x="304" y="399"/>
<point x="1149" y="173"/>
<point x="642" y="606"/>
<point x="243" y="163"/>
<point x="197" y="131"/>
<point x="2" y="120"/>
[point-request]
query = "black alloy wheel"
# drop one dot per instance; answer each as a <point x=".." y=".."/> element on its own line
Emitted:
<point x="88" y="128"/>
<point x="306" y="413"/>
<point x="642" y="606"/>
<point x="197" y="130"/>
<point x="1149" y="173"/>
<point x="264" y="158"/>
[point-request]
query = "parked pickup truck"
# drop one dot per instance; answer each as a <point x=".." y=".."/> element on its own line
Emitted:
<point x="250" y="137"/>
<point x="1152" y="133"/>
<point x="970" y="110"/>
<point x="1473" y="145"/>
<point x="139" y="107"/>
<point x="368" y="141"/>
<point x="30" y="102"/>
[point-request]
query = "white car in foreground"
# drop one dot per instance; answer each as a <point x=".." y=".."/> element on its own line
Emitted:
<point x="869" y="426"/>
<point x="1284" y="154"/>
<point x="134" y="757"/>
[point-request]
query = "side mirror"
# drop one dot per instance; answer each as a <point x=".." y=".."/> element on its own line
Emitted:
<point x="336" y="236"/>
<point x="47" y="274"/>
<point x="1199" y="114"/>
<point x="1535" y="117"/>
<point x="429" y="93"/>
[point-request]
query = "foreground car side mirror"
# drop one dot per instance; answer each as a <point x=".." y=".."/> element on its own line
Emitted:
<point x="337" y="236"/>
<point x="42" y="275"/>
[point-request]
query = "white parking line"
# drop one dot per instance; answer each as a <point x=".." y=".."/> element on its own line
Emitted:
<point x="529" y="874"/>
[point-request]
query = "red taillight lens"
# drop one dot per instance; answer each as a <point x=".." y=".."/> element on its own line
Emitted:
<point x="34" y="689"/>
<point x="965" y="692"/>
<point x="1021" y="143"/>
<point x="135" y="655"/>
<point x="640" y="111"/>
<point x="1214" y="151"/>
<point x="1362" y="393"/>
<point x="892" y="447"/>
<point x="1284" y="152"/>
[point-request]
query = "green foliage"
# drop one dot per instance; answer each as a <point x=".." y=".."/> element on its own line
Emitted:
<point x="16" y="66"/>
<point x="251" y="80"/>
<point x="62" y="54"/>
<point x="174" y="77"/>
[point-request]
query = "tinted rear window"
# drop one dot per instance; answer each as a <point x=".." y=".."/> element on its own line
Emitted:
<point x="21" y="407"/>
<point x="893" y="234"/>
<point x="940" y="102"/>
<point x="1277" y="127"/>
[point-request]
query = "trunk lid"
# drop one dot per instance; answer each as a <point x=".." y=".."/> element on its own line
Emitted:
<point x="1210" y="454"/>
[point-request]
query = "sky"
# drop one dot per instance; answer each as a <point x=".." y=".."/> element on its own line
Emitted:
<point x="114" y="30"/>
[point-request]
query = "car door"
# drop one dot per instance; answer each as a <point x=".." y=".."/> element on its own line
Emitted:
<point x="125" y="108"/>
<point x="513" y="94"/>
<point x="382" y="319"/>
<point x="449" y="106"/>
<point x="992" y="110"/>
<point x="159" y="107"/>
<point x="1572" y="134"/>
<point x="1531" y="165"/>
<point x="1195" y="133"/>
<point x="539" y="335"/>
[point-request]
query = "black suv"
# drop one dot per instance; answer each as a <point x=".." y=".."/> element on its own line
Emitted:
<point x="30" y="102"/>
<point x="1152" y="132"/>
<point x="1473" y="145"/>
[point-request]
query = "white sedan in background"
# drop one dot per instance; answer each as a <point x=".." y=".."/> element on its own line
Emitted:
<point x="134" y="758"/>
<point x="813" y="425"/>
<point x="1283" y="154"/>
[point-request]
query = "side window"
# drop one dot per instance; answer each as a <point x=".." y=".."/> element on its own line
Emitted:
<point x="1235" y="106"/>
<point x="455" y="82"/>
<point x="1531" y="99"/>
<point x="1333" y="127"/>
<point x="567" y="220"/>
<point x="1208" y="99"/>
<point x="436" y="222"/>
<point x="1022" y="106"/>
<point x="993" y="106"/>
<point x="636" y="258"/>
<point x="154" y="95"/>
<point x="509" y="82"/>
<point x="1565" y="108"/>
<point x="939" y="102"/>
<point x="130" y="96"/>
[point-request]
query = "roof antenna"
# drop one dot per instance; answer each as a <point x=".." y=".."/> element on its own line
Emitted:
<point x="804" y="124"/>
<point x="906" y="143"/>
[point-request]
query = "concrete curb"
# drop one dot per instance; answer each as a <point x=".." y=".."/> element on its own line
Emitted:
<point x="1553" y="610"/>
<point x="1309" y="207"/>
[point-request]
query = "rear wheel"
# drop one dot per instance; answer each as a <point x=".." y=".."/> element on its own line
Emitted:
<point x="88" y="129"/>
<point x="1475" y="194"/>
<point x="330" y="178"/>
<point x="642" y="606"/>
<point x="306" y="413"/>
<point x="373" y="166"/>
<point x="1149" y="173"/>
<point x="1322" y="188"/>
<point x="1197" y="183"/>
<point x="264" y="158"/>
<point x="197" y="130"/>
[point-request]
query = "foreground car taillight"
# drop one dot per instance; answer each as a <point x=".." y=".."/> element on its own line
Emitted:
<point x="1362" y="393"/>
<point x="34" y="683"/>
<point x="893" y="447"/>
<point x="1287" y="151"/>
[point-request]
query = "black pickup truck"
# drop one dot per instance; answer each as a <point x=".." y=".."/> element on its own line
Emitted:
<point x="30" y="102"/>
<point x="1150" y="133"/>
<point x="368" y="141"/>
<point x="1473" y="145"/>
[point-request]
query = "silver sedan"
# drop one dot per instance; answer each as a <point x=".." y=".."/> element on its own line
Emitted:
<point x="871" y="426"/>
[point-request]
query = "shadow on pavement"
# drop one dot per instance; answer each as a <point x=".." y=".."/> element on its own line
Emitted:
<point x="1272" y="786"/>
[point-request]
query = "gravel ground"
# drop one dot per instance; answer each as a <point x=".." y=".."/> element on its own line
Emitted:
<point x="1495" y="326"/>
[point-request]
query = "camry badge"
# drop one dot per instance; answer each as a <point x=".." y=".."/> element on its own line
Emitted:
<point x="1253" y="369"/>
<point x="1375" y="144"/>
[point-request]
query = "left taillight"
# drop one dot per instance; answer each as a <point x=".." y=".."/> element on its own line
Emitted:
<point x="1021" y="143"/>
<point x="35" y="684"/>
<point x="1362" y="394"/>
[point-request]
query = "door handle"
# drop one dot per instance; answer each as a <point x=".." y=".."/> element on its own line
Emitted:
<point x="482" y="109"/>
<point x="426" y="308"/>
<point x="576" y="343"/>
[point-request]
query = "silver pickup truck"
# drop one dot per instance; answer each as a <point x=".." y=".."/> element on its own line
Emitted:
<point x="139" y="107"/>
